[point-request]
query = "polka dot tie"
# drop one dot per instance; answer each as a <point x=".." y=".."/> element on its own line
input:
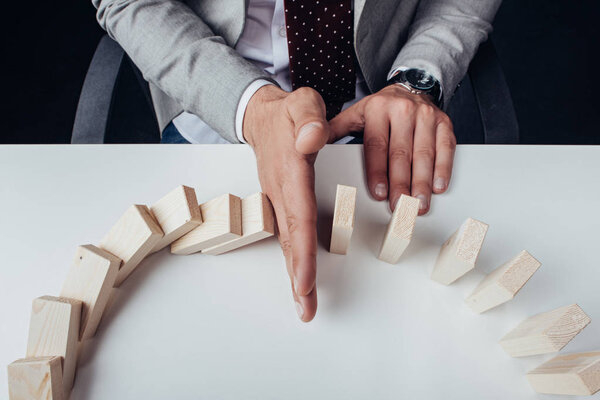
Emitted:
<point x="320" y="37"/>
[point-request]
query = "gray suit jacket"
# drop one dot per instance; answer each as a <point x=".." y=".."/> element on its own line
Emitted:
<point x="185" y="48"/>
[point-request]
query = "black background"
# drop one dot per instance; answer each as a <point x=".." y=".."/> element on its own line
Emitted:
<point x="548" y="50"/>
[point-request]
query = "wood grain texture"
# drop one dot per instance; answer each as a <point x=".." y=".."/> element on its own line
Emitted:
<point x="131" y="239"/>
<point x="35" y="378"/>
<point x="400" y="229"/>
<point x="258" y="223"/>
<point x="54" y="331"/>
<point x="547" y="332"/>
<point x="177" y="213"/>
<point x="576" y="374"/>
<point x="222" y="218"/>
<point x="502" y="284"/>
<point x="91" y="280"/>
<point x="343" y="219"/>
<point x="458" y="254"/>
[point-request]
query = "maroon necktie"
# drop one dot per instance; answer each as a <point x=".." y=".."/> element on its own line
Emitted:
<point x="320" y="37"/>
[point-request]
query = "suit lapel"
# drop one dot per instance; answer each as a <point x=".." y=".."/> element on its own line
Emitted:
<point x="358" y="9"/>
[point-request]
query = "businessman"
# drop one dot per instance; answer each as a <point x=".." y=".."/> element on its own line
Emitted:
<point x="289" y="76"/>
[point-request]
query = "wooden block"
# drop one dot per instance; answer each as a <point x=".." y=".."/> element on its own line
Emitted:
<point x="400" y="229"/>
<point x="222" y="218"/>
<point x="575" y="374"/>
<point x="502" y="284"/>
<point x="54" y="331"/>
<point x="177" y="213"/>
<point x="459" y="254"/>
<point x="36" y="378"/>
<point x="258" y="222"/>
<point x="343" y="219"/>
<point x="131" y="239"/>
<point x="546" y="332"/>
<point x="91" y="280"/>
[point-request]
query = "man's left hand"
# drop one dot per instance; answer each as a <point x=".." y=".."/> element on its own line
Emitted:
<point x="409" y="144"/>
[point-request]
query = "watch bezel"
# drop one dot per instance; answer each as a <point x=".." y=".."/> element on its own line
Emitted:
<point x="413" y="80"/>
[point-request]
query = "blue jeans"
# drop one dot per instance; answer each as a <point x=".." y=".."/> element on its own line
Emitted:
<point x="172" y="136"/>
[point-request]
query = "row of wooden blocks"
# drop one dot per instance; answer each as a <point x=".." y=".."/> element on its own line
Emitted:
<point x="60" y="325"/>
<point x="543" y="333"/>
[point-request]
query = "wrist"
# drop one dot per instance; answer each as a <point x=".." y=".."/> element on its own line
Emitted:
<point x="255" y="110"/>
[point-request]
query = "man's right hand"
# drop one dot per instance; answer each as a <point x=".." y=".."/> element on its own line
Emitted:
<point x="286" y="130"/>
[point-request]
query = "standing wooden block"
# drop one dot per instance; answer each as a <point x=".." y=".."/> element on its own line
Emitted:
<point x="36" y="378"/>
<point x="400" y="229"/>
<point x="502" y="284"/>
<point x="54" y="331"/>
<point x="258" y="222"/>
<point x="571" y="374"/>
<point x="459" y="254"/>
<point x="546" y="332"/>
<point x="343" y="219"/>
<point x="91" y="280"/>
<point x="222" y="218"/>
<point x="131" y="239"/>
<point x="177" y="213"/>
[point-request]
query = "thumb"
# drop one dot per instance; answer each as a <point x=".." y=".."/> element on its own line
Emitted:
<point x="348" y="121"/>
<point x="307" y="110"/>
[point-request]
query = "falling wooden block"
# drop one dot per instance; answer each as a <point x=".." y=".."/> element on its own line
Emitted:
<point x="131" y="239"/>
<point x="258" y="223"/>
<point x="546" y="332"/>
<point x="35" y="378"/>
<point x="91" y="280"/>
<point x="177" y="213"/>
<point x="459" y="254"/>
<point x="222" y="218"/>
<point x="400" y="229"/>
<point x="343" y="219"/>
<point x="502" y="284"/>
<point x="54" y="331"/>
<point x="575" y="374"/>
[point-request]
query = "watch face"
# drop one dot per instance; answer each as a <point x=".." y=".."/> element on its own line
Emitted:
<point x="419" y="79"/>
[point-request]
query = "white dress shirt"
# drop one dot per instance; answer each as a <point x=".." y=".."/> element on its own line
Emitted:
<point x="264" y="43"/>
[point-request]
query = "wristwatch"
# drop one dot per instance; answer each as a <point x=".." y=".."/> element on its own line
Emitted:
<point x="418" y="81"/>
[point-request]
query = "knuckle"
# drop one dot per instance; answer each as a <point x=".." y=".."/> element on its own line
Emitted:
<point x="400" y="154"/>
<point x="376" y="143"/>
<point x="424" y="153"/>
<point x="406" y="106"/>
<point x="426" y="110"/>
<point x="286" y="245"/>
<point x="448" y="141"/>
<point x="293" y="222"/>
<point x="444" y="119"/>
<point x="378" y="102"/>
<point x="306" y="92"/>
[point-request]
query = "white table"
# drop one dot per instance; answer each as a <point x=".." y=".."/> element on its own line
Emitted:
<point x="203" y="327"/>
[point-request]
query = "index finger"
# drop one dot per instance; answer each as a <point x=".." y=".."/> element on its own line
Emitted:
<point x="301" y="219"/>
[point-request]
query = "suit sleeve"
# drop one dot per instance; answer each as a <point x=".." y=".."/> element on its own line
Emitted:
<point x="444" y="37"/>
<point x="179" y="53"/>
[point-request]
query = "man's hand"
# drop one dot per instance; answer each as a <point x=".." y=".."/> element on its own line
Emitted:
<point x="286" y="130"/>
<point x="408" y="142"/>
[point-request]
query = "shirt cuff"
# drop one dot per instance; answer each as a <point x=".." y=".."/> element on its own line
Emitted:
<point x="244" y="100"/>
<point x="395" y="71"/>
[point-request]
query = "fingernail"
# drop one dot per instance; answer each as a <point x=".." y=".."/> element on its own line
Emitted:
<point x="439" y="184"/>
<point x="299" y="310"/>
<point x="295" y="284"/>
<point x="422" y="201"/>
<point x="307" y="129"/>
<point x="381" y="190"/>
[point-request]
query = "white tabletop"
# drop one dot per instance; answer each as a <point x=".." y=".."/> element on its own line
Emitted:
<point x="204" y="327"/>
